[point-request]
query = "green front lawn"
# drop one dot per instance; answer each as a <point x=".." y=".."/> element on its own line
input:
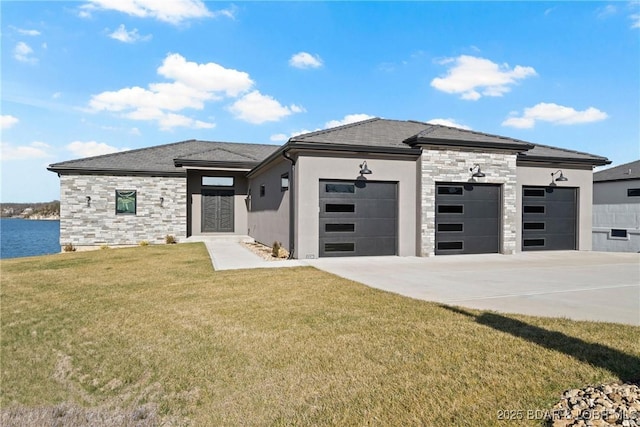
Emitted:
<point x="152" y="334"/>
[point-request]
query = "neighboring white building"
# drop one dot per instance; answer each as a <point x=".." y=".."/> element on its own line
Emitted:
<point x="616" y="208"/>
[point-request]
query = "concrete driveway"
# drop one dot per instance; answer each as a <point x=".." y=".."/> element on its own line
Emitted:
<point x="578" y="285"/>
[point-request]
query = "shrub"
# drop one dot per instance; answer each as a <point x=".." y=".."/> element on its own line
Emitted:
<point x="275" y="249"/>
<point x="143" y="243"/>
<point x="169" y="239"/>
<point x="69" y="248"/>
<point x="104" y="246"/>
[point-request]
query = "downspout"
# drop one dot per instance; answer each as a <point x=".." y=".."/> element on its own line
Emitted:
<point x="291" y="204"/>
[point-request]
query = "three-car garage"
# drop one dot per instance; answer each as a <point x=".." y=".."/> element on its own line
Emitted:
<point x="360" y="218"/>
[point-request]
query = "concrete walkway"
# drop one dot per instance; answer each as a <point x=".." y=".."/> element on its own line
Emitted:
<point x="228" y="253"/>
<point x="594" y="286"/>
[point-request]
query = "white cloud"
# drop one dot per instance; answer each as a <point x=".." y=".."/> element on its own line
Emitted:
<point x="635" y="18"/>
<point x="171" y="11"/>
<point x="606" y="11"/>
<point x="35" y="150"/>
<point x="448" y="122"/>
<point x="91" y="148"/>
<point x="282" y="137"/>
<point x="209" y="77"/>
<point x="279" y="137"/>
<point x="474" y="77"/>
<point x="25" y="32"/>
<point x="23" y="53"/>
<point x="305" y="60"/>
<point x="349" y="118"/>
<point x="257" y="108"/>
<point x="193" y="85"/>
<point x="7" y="121"/>
<point x="553" y="113"/>
<point x="56" y="95"/>
<point x="121" y="34"/>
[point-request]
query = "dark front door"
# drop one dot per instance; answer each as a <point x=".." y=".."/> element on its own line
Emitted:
<point x="548" y="218"/>
<point x="467" y="218"/>
<point x="217" y="211"/>
<point x="358" y="218"/>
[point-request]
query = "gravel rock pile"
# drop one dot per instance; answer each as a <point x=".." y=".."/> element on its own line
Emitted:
<point x="599" y="406"/>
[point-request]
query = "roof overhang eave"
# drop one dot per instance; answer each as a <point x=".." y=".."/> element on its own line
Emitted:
<point x="121" y="172"/>
<point x="506" y="146"/>
<point x="298" y="146"/>
<point x="213" y="164"/>
<point x="594" y="161"/>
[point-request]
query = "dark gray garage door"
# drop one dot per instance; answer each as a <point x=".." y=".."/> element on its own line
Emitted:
<point x="357" y="218"/>
<point x="467" y="218"/>
<point x="548" y="218"/>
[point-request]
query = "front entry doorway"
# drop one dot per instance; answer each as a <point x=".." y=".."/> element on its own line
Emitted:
<point x="217" y="211"/>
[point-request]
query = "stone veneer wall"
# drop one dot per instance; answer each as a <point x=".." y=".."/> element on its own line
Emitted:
<point x="98" y="224"/>
<point x="450" y="165"/>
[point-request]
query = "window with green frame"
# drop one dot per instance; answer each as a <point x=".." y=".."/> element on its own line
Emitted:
<point x="125" y="202"/>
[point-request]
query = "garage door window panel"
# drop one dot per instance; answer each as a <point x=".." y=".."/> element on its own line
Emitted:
<point x="451" y="209"/>
<point x="534" y="192"/>
<point x="340" y="207"/>
<point x="450" y="191"/>
<point x="340" y="228"/>
<point x="534" y="243"/>
<point x="450" y="227"/>
<point x="339" y="247"/>
<point x="340" y="188"/>
<point x="534" y="226"/>
<point x="533" y="209"/>
<point x="450" y="246"/>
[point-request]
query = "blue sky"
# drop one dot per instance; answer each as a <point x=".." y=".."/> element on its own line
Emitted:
<point x="88" y="78"/>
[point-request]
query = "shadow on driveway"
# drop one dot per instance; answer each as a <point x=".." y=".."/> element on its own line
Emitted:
<point x="625" y="366"/>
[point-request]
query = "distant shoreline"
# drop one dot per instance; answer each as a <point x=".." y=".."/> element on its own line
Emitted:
<point x="33" y="219"/>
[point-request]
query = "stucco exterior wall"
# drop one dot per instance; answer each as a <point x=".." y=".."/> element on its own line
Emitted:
<point x="614" y="209"/>
<point x="269" y="214"/>
<point x="194" y="208"/>
<point x="98" y="224"/>
<point x="614" y="192"/>
<point x="449" y="165"/>
<point x="310" y="170"/>
<point x="582" y="179"/>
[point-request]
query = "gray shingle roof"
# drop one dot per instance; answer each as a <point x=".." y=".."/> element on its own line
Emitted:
<point x="160" y="159"/>
<point x="374" y="135"/>
<point x="373" y="132"/>
<point x="623" y="172"/>
<point x="439" y="134"/>
<point x="379" y="132"/>
<point x="545" y="152"/>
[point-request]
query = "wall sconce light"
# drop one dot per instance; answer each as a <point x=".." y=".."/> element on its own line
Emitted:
<point x="161" y="201"/>
<point x="561" y="178"/>
<point x="364" y="170"/>
<point x="476" y="172"/>
<point x="88" y="201"/>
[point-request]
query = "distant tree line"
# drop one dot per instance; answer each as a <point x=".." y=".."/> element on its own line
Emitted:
<point x="28" y="210"/>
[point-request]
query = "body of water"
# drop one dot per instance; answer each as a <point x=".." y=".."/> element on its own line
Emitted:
<point x="25" y="237"/>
